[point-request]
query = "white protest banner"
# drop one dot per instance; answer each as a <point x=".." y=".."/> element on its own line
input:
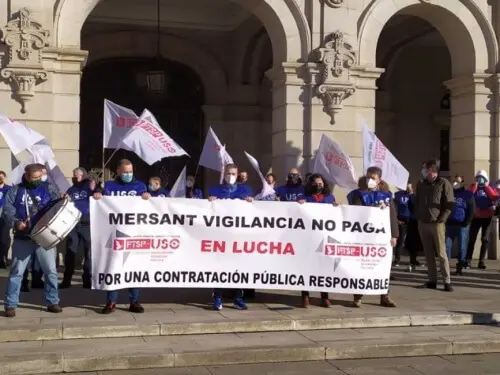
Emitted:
<point x="117" y="122"/>
<point x="148" y="140"/>
<point x="267" y="189"/>
<point x="212" y="156"/>
<point x="334" y="164"/>
<point x="18" y="136"/>
<point x="375" y="154"/>
<point x="179" y="188"/>
<point x="237" y="244"/>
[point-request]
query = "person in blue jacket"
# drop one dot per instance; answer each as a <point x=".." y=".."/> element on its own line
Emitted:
<point x="317" y="191"/>
<point x="24" y="205"/>
<point x="230" y="189"/>
<point x="458" y="223"/>
<point x="79" y="193"/>
<point x="124" y="185"/>
<point x="4" y="228"/>
<point x="401" y="200"/>
<point x="192" y="191"/>
<point x="154" y="188"/>
<point x="293" y="189"/>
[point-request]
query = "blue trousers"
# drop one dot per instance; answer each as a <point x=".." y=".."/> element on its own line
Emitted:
<point x="133" y="295"/>
<point x="459" y="233"/>
<point x="22" y="252"/>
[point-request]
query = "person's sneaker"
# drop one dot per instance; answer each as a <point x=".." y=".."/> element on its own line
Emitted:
<point x="481" y="265"/>
<point x="109" y="308"/>
<point x="239" y="304"/>
<point x="325" y="302"/>
<point x="448" y="287"/>
<point x="217" y="303"/>
<point x="385" y="301"/>
<point x="10" y="312"/>
<point x="468" y="265"/>
<point x="429" y="285"/>
<point x="410" y="268"/>
<point x="56" y="309"/>
<point x="356" y="303"/>
<point x="305" y="302"/>
<point x="135" y="307"/>
<point x="65" y="284"/>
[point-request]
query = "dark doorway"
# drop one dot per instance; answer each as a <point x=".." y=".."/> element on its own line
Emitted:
<point x="178" y="109"/>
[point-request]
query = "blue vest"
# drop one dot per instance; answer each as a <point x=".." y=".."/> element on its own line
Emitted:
<point x="326" y="199"/>
<point x="226" y="191"/>
<point x="460" y="212"/>
<point x="483" y="202"/>
<point x="162" y="193"/>
<point x="37" y="199"/>
<point x="80" y="194"/>
<point x="119" y="188"/>
<point x="401" y="199"/>
<point x="371" y="198"/>
<point x="290" y="193"/>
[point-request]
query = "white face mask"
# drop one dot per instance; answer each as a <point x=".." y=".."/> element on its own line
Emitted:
<point x="372" y="184"/>
<point x="230" y="179"/>
<point x="189" y="183"/>
<point x="44" y="178"/>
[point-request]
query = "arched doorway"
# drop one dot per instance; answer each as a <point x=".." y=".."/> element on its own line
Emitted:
<point x="178" y="109"/>
<point x="412" y="102"/>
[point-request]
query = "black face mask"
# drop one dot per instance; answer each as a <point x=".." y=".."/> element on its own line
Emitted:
<point x="294" y="179"/>
<point x="34" y="183"/>
<point x="317" y="188"/>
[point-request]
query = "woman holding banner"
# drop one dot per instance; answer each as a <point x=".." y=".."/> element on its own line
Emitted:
<point x="316" y="190"/>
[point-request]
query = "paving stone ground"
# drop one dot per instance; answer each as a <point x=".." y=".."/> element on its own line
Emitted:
<point x="481" y="364"/>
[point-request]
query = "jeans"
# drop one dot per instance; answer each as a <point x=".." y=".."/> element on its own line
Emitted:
<point x="133" y="295"/>
<point x="80" y="235"/>
<point x="483" y="224"/>
<point x="22" y="251"/>
<point x="459" y="233"/>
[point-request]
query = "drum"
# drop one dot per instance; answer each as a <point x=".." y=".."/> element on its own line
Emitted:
<point x="55" y="223"/>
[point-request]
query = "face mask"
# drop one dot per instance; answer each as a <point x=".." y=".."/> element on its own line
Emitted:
<point x="35" y="183"/>
<point x="230" y="179"/>
<point x="481" y="180"/>
<point x="151" y="188"/>
<point x="189" y="184"/>
<point x="372" y="184"/>
<point x="44" y="178"/>
<point x="318" y="188"/>
<point x="127" y="177"/>
<point x="294" y="178"/>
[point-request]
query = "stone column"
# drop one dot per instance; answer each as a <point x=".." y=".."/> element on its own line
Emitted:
<point x="290" y="118"/>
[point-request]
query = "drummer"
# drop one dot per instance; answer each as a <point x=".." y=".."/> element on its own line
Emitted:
<point x="23" y="204"/>
<point x="124" y="185"/>
<point x="80" y="193"/>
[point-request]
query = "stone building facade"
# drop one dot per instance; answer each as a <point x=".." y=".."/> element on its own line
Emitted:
<point x="269" y="76"/>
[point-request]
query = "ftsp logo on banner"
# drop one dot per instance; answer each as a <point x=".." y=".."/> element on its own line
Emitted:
<point x="357" y="251"/>
<point x="146" y="243"/>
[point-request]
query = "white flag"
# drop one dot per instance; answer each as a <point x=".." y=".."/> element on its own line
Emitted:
<point x="267" y="189"/>
<point x="179" y="188"/>
<point x="224" y="159"/>
<point x="117" y="122"/>
<point x="18" y="136"/>
<point x="334" y="164"/>
<point x="375" y="154"/>
<point x="214" y="156"/>
<point x="148" y="140"/>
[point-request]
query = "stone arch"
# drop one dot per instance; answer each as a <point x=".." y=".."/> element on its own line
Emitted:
<point x="132" y="44"/>
<point x="283" y="20"/>
<point x="255" y="53"/>
<point x="473" y="48"/>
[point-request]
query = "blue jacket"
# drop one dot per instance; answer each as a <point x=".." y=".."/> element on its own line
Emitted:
<point x="119" y="188"/>
<point x="38" y="200"/>
<point x="401" y="199"/>
<point x="326" y="199"/>
<point x="3" y="193"/>
<point x="463" y="208"/>
<point x="162" y="193"/>
<point x="226" y="191"/>
<point x="290" y="193"/>
<point x="370" y="198"/>
<point x="80" y="194"/>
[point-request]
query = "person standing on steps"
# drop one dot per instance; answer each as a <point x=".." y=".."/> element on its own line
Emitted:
<point x="317" y="191"/>
<point x="457" y="226"/>
<point x="4" y="228"/>
<point x="293" y="190"/>
<point x="401" y="200"/>
<point x="434" y="201"/>
<point x="485" y="197"/>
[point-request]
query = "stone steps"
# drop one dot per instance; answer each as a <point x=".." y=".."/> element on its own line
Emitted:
<point x="163" y="324"/>
<point x="143" y="352"/>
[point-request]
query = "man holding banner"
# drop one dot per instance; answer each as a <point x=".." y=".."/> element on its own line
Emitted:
<point x="373" y="191"/>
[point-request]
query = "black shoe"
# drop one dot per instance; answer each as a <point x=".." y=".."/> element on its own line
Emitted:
<point x="136" y="308"/>
<point x="429" y="285"/>
<point x="448" y="287"/>
<point x="87" y="284"/>
<point x="459" y="269"/>
<point x="481" y="265"/>
<point x="10" y="312"/>
<point x="65" y="284"/>
<point x="109" y="308"/>
<point x="56" y="309"/>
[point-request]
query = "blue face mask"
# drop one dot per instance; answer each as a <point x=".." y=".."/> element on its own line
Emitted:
<point x="127" y="177"/>
<point x="151" y="188"/>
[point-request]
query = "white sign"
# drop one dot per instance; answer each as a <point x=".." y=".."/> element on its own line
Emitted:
<point x="334" y="164"/>
<point x="148" y="140"/>
<point x="237" y="244"/>
<point x="375" y="154"/>
<point x="117" y="122"/>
